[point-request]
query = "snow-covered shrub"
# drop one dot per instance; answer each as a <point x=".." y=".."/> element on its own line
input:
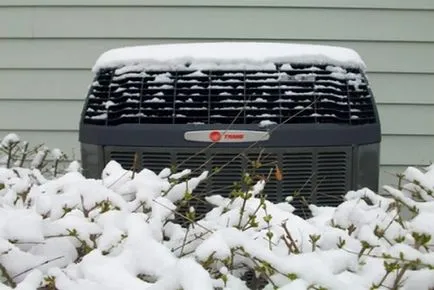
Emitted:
<point x="123" y="232"/>
<point x="15" y="153"/>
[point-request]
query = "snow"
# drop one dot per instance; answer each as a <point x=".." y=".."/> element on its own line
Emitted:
<point x="162" y="78"/>
<point x="225" y="55"/>
<point x="57" y="153"/>
<point x="119" y="232"/>
<point x="284" y="101"/>
<point x="108" y="104"/>
<point x="9" y="140"/>
<point x="130" y="75"/>
<point x="197" y="73"/>
<point x="155" y="100"/>
<point x="39" y="157"/>
<point x="102" y="116"/>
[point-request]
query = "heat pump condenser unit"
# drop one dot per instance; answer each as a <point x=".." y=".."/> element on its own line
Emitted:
<point x="309" y="110"/>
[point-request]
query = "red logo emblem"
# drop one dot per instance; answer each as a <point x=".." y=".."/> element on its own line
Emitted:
<point x="215" y="136"/>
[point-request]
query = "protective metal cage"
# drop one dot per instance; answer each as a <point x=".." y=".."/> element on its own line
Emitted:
<point x="290" y="94"/>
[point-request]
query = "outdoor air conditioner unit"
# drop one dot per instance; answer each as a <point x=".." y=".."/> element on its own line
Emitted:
<point x="307" y="109"/>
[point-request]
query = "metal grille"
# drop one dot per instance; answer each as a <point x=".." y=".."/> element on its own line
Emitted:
<point x="267" y="164"/>
<point x="125" y="158"/>
<point x="302" y="94"/>
<point x="299" y="178"/>
<point x="332" y="176"/>
<point x="310" y="175"/>
<point x="227" y="169"/>
<point x="190" y="161"/>
<point x="156" y="161"/>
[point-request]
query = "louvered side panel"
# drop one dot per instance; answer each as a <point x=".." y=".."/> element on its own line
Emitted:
<point x="197" y="163"/>
<point x="124" y="158"/>
<point x="99" y="94"/>
<point x="310" y="175"/>
<point x="266" y="162"/>
<point x="298" y="179"/>
<point x="227" y="168"/>
<point x="156" y="161"/>
<point x="191" y="160"/>
<point x="332" y="178"/>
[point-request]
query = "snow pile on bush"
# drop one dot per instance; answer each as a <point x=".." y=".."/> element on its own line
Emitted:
<point x="40" y="159"/>
<point x="123" y="232"/>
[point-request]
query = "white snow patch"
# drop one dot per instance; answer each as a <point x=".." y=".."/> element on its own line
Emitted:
<point x="266" y="123"/>
<point x="9" y="140"/>
<point x="155" y="100"/>
<point x="225" y="55"/>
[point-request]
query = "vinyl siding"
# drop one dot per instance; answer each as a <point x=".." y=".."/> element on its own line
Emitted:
<point x="49" y="46"/>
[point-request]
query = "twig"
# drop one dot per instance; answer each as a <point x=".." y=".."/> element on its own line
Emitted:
<point x="9" y="280"/>
<point x="225" y="131"/>
<point x="256" y="142"/>
<point x="190" y="241"/>
<point x="140" y="205"/>
<point x="288" y="234"/>
<point x="398" y="279"/>
<point x="87" y="211"/>
<point x="120" y="177"/>
<point x="390" y="258"/>
<point x="252" y="216"/>
<point x="241" y="214"/>
<point x="136" y="160"/>
<point x="34" y="267"/>
<point x="23" y="157"/>
<point x="183" y="216"/>
<point x="184" y="240"/>
<point x="26" y="243"/>
<point x="10" y="154"/>
<point x="213" y="143"/>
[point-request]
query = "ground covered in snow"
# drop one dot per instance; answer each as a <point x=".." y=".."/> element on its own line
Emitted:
<point x="123" y="231"/>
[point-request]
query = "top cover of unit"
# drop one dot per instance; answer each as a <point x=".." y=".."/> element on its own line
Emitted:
<point x="188" y="94"/>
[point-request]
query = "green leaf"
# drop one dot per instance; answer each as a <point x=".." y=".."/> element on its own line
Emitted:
<point x="267" y="218"/>
<point x="72" y="233"/>
<point x="341" y="243"/>
<point x="390" y="267"/>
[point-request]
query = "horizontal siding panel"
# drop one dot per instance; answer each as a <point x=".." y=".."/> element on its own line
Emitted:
<point x="82" y="53"/>
<point x="407" y="119"/>
<point x="394" y="149"/>
<point x="403" y="150"/>
<point x="403" y="88"/>
<point x="39" y="115"/>
<point x="196" y="22"/>
<point x="21" y="27"/>
<point x="45" y="84"/>
<point x="72" y="85"/>
<point x="364" y="4"/>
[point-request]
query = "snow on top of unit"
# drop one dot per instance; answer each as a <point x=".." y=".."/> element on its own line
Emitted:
<point x="227" y="55"/>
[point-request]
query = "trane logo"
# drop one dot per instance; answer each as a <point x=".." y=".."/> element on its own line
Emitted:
<point x="226" y="136"/>
<point x="216" y="136"/>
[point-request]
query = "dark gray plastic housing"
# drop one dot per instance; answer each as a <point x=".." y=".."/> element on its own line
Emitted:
<point x="323" y="129"/>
